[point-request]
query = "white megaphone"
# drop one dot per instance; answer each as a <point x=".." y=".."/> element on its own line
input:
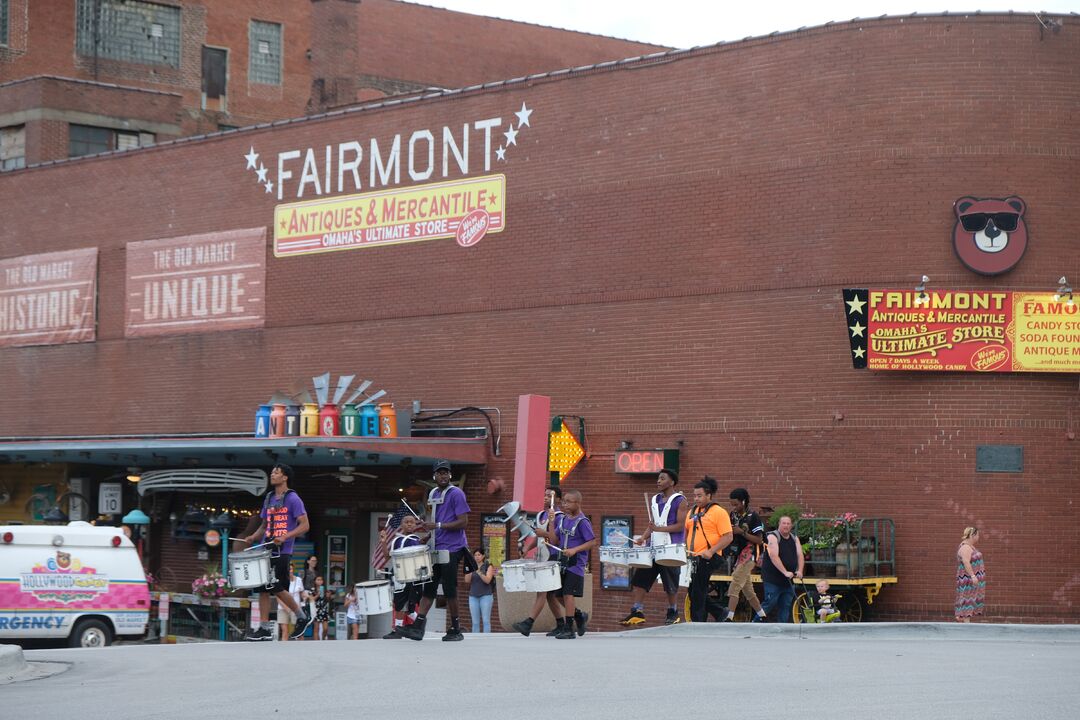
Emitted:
<point x="517" y="519"/>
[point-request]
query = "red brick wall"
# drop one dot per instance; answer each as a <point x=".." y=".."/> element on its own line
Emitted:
<point x="676" y="242"/>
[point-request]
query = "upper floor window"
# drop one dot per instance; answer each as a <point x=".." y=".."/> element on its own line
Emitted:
<point x="12" y="147"/>
<point x="128" y="30"/>
<point x="90" y="140"/>
<point x="264" y="53"/>
<point x="3" y="22"/>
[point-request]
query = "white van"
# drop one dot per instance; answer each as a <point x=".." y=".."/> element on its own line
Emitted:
<point x="74" y="581"/>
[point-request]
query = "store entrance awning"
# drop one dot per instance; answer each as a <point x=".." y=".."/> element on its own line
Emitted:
<point x="220" y="452"/>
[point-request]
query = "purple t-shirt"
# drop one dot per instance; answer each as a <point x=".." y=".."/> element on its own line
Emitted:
<point x="281" y="515"/>
<point x="449" y="510"/>
<point x="574" y="534"/>
<point x="673" y="516"/>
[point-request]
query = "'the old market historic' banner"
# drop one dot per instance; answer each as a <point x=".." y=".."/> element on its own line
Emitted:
<point x="196" y="284"/>
<point x="463" y="209"/>
<point x="977" y="331"/>
<point x="48" y="299"/>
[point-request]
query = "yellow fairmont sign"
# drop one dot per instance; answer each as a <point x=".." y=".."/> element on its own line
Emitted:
<point x="564" y="451"/>
<point x="463" y="209"/>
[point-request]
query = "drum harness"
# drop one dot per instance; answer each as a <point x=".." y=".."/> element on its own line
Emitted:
<point x="441" y="556"/>
<point x="543" y="552"/>
<point x="660" y="515"/>
<point x="560" y="529"/>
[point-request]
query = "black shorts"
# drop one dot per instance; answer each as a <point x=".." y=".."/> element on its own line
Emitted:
<point x="644" y="578"/>
<point x="572" y="584"/>
<point x="280" y="567"/>
<point x="408" y="594"/>
<point x="445" y="573"/>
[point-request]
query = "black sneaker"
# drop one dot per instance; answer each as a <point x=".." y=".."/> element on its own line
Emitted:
<point x="567" y="633"/>
<point x="259" y="634"/>
<point x="757" y="618"/>
<point x="636" y="617"/>
<point x="394" y="634"/>
<point x="728" y="619"/>
<point x="414" y="631"/>
<point x="581" y="621"/>
<point x="454" y="635"/>
<point x="303" y="622"/>
<point x="524" y="626"/>
<point x="672" y="617"/>
<point x="558" y="629"/>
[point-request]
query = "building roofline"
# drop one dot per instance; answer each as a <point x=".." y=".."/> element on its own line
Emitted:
<point x="95" y="83"/>
<point x="528" y="24"/>
<point x="629" y="63"/>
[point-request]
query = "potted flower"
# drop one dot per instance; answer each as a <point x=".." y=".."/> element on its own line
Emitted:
<point x="211" y="585"/>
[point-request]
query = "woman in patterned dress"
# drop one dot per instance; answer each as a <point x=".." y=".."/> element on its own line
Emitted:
<point x="322" y="610"/>
<point x="970" y="577"/>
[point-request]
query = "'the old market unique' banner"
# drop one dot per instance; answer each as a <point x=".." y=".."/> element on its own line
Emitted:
<point x="978" y="331"/>
<point x="463" y="209"/>
<point x="197" y="283"/>
<point x="48" y="299"/>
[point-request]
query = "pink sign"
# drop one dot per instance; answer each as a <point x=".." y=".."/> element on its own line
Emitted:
<point x="48" y="299"/>
<point x="196" y="284"/>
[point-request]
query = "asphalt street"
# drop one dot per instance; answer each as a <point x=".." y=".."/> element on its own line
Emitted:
<point x="735" y="671"/>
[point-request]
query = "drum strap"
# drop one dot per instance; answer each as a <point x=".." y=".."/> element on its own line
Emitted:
<point x="697" y="524"/>
<point x="661" y="515"/>
<point x="399" y="542"/>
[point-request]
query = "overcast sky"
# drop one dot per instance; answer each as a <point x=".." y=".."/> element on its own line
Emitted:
<point x="686" y="23"/>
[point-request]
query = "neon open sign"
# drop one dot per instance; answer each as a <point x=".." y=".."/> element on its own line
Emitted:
<point x="645" y="462"/>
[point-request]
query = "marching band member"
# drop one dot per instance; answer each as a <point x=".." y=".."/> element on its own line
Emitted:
<point x="449" y="517"/>
<point x="406" y="594"/>
<point x="541" y="552"/>
<point x="708" y="532"/>
<point x="573" y="535"/>
<point x="667" y="510"/>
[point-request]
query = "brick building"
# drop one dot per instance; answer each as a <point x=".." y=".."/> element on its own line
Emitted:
<point x="665" y="258"/>
<point x="90" y="76"/>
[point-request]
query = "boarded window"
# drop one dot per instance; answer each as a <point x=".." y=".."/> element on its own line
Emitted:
<point x="213" y="72"/>
<point x="3" y="22"/>
<point x="88" y="140"/>
<point x="128" y="30"/>
<point x="12" y="147"/>
<point x="264" y="53"/>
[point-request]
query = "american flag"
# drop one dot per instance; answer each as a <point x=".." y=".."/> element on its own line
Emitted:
<point x="381" y="555"/>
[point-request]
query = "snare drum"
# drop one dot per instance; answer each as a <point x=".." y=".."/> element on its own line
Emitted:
<point x="412" y="564"/>
<point x="543" y="576"/>
<point x="374" y="597"/>
<point x="639" y="556"/>
<point x="513" y="572"/>
<point x="250" y="568"/>
<point x="620" y="556"/>
<point x="612" y="555"/>
<point x="670" y="555"/>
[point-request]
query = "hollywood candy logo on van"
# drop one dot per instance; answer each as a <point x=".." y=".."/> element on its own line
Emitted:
<point x="63" y="579"/>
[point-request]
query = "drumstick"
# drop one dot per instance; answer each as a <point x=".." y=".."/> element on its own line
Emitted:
<point x="409" y="507"/>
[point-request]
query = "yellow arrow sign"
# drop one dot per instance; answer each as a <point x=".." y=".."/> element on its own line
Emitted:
<point x="564" y="451"/>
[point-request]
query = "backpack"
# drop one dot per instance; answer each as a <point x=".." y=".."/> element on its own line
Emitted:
<point x="760" y="561"/>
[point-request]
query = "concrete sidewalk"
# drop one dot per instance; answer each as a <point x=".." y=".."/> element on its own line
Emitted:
<point x="850" y="631"/>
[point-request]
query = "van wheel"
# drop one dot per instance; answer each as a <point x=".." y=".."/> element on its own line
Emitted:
<point x="90" y="634"/>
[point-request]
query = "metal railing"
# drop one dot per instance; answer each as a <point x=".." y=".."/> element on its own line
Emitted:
<point x="861" y="548"/>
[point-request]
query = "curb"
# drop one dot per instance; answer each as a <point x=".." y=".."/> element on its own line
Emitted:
<point x="892" y="631"/>
<point x="14" y="668"/>
<point x="12" y="663"/>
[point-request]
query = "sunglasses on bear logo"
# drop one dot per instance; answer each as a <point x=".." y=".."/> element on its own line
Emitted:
<point x="1002" y="221"/>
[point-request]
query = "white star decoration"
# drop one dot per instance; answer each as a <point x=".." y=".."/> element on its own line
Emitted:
<point x="252" y="157"/>
<point x="270" y="187"/>
<point x="523" y="116"/>
<point x="857" y="329"/>
<point x="261" y="172"/>
<point x="500" y="153"/>
<point x="511" y="135"/>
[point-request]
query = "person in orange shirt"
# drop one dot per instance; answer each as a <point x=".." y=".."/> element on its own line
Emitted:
<point x="708" y="532"/>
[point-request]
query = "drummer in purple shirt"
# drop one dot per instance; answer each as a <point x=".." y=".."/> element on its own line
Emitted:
<point x="451" y="517"/>
<point x="573" y="534"/>
<point x="283" y="519"/>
